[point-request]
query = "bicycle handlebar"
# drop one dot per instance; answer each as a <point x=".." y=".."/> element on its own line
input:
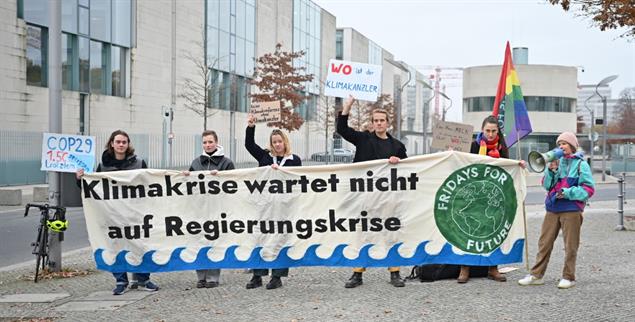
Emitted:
<point x="44" y="207"/>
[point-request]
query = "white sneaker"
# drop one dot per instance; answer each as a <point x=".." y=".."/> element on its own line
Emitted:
<point x="565" y="283"/>
<point x="530" y="280"/>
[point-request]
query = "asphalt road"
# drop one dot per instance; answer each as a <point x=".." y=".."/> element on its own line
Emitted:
<point x="17" y="232"/>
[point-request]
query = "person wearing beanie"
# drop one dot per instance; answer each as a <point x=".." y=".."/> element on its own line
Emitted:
<point x="569" y="184"/>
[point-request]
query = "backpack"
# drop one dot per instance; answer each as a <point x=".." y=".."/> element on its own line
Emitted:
<point x="434" y="272"/>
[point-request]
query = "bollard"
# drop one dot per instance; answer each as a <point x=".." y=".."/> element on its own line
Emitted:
<point x="620" y="204"/>
<point x="624" y="188"/>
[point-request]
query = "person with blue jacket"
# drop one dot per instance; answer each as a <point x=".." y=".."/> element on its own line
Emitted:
<point x="569" y="182"/>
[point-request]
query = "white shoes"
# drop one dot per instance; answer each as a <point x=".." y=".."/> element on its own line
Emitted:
<point x="565" y="283"/>
<point x="531" y="280"/>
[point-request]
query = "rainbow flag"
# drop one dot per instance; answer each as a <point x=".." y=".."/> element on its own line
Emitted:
<point x="509" y="104"/>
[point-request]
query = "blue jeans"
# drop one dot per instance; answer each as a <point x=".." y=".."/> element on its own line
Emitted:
<point x="140" y="278"/>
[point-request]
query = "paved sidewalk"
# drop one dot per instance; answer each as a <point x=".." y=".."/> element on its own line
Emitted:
<point x="604" y="292"/>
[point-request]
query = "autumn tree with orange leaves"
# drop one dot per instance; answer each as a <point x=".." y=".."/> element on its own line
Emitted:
<point x="606" y="14"/>
<point x="277" y="78"/>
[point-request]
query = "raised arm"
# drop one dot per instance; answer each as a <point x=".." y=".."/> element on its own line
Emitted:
<point x="250" y="143"/>
<point x="349" y="134"/>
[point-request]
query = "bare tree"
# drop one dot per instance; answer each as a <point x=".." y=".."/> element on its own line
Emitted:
<point x="200" y="91"/>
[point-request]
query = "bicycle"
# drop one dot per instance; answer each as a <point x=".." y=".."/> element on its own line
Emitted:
<point x="56" y="223"/>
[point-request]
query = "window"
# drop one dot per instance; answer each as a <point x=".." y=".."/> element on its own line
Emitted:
<point x="95" y="41"/>
<point x="533" y="103"/>
<point x="84" y="67"/>
<point x="36" y="49"/>
<point x="97" y="70"/>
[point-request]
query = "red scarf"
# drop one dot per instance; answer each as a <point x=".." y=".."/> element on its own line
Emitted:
<point x="492" y="147"/>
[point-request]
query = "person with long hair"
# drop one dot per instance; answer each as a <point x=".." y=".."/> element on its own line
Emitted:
<point x="490" y="142"/>
<point x="277" y="155"/>
<point x="569" y="184"/>
<point x="118" y="156"/>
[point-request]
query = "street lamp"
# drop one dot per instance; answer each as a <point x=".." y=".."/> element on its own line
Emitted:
<point x="591" y="132"/>
<point x="445" y="109"/>
<point x="604" y="82"/>
<point x="398" y="114"/>
<point x="424" y="117"/>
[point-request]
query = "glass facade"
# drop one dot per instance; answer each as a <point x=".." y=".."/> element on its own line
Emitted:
<point x="92" y="33"/>
<point x="231" y="49"/>
<point x="533" y="103"/>
<point x="339" y="44"/>
<point x="374" y="54"/>
<point x="307" y="37"/>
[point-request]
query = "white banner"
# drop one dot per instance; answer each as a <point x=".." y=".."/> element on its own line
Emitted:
<point x="448" y="207"/>
<point x="344" y="78"/>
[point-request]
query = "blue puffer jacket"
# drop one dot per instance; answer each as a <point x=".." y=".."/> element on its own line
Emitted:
<point x="573" y="177"/>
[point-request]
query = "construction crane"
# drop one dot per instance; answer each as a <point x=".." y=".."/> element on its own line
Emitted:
<point x="437" y="77"/>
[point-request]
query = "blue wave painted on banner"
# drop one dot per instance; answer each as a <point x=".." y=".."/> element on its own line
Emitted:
<point x="310" y="258"/>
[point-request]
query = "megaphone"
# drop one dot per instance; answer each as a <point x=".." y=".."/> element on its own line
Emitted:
<point x="538" y="161"/>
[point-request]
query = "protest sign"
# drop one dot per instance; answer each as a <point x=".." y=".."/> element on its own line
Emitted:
<point x="452" y="136"/>
<point x="362" y="81"/>
<point x="266" y="111"/>
<point x="67" y="152"/>
<point x="449" y="207"/>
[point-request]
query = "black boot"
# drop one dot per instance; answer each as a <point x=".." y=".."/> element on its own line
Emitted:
<point x="396" y="280"/>
<point x="256" y="281"/>
<point x="354" y="281"/>
<point x="274" y="283"/>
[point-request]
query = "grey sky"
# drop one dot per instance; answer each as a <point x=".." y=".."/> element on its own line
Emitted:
<point x="457" y="33"/>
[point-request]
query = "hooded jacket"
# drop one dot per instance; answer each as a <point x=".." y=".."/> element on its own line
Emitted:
<point x="216" y="161"/>
<point x="574" y="179"/>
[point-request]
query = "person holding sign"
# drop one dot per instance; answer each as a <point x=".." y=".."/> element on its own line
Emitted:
<point x="212" y="159"/>
<point x="371" y="145"/>
<point x="119" y="155"/>
<point x="278" y="155"/>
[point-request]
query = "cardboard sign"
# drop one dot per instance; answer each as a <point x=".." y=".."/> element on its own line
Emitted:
<point x="362" y="81"/>
<point x="452" y="136"/>
<point x="67" y="152"/>
<point x="266" y="111"/>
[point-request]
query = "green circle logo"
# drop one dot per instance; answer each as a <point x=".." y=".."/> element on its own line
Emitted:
<point x="475" y="207"/>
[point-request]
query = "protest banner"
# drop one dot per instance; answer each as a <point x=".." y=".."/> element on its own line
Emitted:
<point x="362" y="81"/>
<point x="452" y="136"/>
<point x="448" y="207"/>
<point x="67" y="152"/>
<point x="266" y="111"/>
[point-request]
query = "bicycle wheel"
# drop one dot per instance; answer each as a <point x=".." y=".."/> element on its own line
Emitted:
<point x="42" y="253"/>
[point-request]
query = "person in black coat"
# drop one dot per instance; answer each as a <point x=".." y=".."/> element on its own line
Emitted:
<point x="375" y="145"/>
<point x="212" y="159"/>
<point x="118" y="156"/>
<point x="278" y="155"/>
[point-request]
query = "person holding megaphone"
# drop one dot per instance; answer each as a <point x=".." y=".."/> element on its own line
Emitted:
<point x="569" y="183"/>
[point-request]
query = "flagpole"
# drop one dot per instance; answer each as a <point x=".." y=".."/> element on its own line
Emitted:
<point x="524" y="209"/>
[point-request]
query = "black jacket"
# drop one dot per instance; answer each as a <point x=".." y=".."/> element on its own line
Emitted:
<point x="263" y="156"/>
<point x="109" y="163"/>
<point x="366" y="142"/>
<point x="216" y="161"/>
<point x="504" y="152"/>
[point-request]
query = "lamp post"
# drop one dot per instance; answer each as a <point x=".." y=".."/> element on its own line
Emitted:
<point x="591" y="132"/>
<point x="401" y="66"/>
<point x="445" y="109"/>
<point x="604" y="82"/>
<point x="424" y="115"/>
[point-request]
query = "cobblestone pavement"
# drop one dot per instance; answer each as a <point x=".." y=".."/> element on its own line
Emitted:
<point x="605" y="290"/>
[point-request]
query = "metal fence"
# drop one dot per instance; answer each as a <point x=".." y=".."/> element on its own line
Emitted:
<point x="20" y="152"/>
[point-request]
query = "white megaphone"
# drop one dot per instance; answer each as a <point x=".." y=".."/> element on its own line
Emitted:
<point x="538" y="161"/>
